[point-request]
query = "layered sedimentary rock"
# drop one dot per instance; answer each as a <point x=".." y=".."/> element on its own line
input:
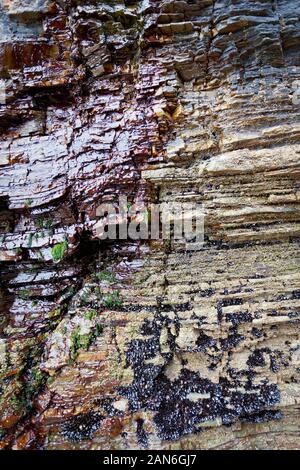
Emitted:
<point x="143" y="344"/>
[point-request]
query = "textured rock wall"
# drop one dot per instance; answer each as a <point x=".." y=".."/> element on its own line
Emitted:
<point x="141" y="344"/>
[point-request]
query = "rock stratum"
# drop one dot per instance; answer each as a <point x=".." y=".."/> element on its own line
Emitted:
<point x="141" y="344"/>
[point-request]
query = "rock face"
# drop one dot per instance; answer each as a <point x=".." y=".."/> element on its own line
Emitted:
<point x="142" y="344"/>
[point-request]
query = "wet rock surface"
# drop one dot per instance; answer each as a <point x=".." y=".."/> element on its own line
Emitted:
<point x="126" y="344"/>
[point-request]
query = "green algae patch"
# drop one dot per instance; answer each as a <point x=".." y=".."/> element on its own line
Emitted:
<point x="59" y="250"/>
